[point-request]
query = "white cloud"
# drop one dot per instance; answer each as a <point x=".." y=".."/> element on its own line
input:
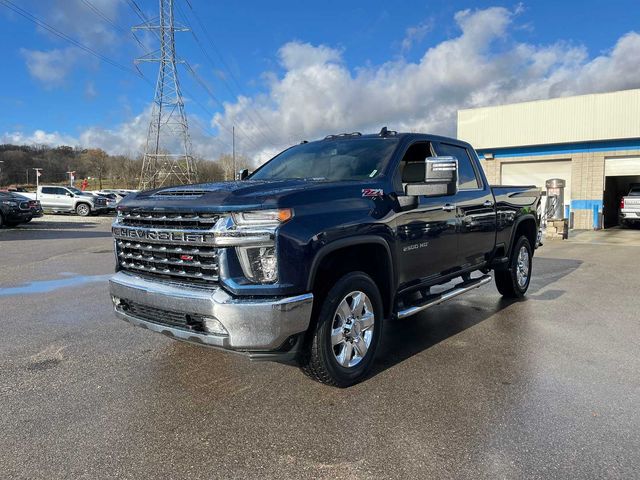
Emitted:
<point x="77" y="20"/>
<point x="415" y="34"/>
<point x="50" y="67"/>
<point x="317" y="93"/>
<point x="37" y="137"/>
<point x="127" y="138"/>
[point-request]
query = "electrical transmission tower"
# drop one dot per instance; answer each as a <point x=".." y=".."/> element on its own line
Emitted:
<point x="167" y="157"/>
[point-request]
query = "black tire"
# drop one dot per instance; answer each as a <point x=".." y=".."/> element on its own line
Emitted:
<point x="507" y="281"/>
<point x="1" y="221"/>
<point x="83" y="209"/>
<point x="319" y="361"/>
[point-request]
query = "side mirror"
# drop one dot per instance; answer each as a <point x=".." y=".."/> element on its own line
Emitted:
<point x="69" y="194"/>
<point x="242" y="174"/>
<point x="440" y="176"/>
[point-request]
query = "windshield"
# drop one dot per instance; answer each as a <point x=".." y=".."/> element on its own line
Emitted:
<point x="635" y="192"/>
<point x="332" y="160"/>
<point x="75" y="190"/>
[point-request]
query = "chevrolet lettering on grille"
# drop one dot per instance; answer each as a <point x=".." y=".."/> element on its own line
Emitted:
<point x="164" y="235"/>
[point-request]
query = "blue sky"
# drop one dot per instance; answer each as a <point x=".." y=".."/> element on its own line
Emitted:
<point x="289" y="57"/>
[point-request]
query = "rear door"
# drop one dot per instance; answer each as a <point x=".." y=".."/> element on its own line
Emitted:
<point x="474" y="207"/>
<point x="49" y="197"/>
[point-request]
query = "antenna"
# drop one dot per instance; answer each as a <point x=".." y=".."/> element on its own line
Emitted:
<point x="167" y="156"/>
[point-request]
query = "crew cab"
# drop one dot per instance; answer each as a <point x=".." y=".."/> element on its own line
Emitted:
<point x="68" y="199"/>
<point x="307" y="258"/>
<point x="630" y="207"/>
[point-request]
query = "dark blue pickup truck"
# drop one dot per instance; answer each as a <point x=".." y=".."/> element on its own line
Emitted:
<point x="305" y="259"/>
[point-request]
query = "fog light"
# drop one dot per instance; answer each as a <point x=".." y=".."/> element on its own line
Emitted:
<point x="213" y="325"/>
<point x="116" y="301"/>
<point x="259" y="264"/>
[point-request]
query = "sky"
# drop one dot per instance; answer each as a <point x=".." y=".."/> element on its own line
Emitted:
<point x="284" y="71"/>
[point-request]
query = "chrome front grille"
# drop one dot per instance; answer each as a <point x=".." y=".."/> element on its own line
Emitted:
<point x="149" y="219"/>
<point x="176" y="261"/>
<point x="170" y="245"/>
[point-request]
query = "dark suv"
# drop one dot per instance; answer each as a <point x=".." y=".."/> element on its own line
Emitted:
<point x="16" y="209"/>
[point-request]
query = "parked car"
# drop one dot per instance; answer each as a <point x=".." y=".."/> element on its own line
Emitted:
<point x="68" y="199"/>
<point x="122" y="192"/>
<point x="630" y="207"/>
<point x="308" y="257"/>
<point x="16" y="209"/>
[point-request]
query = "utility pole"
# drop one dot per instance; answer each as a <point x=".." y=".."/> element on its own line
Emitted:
<point x="167" y="157"/>
<point x="233" y="146"/>
<point x="71" y="178"/>
<point x="37" y="180"/>
<point x="27" y="176"/>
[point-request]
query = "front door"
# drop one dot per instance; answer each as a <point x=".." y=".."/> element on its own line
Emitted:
<point x="427" y="240"/>
<point x="427" y="234"/>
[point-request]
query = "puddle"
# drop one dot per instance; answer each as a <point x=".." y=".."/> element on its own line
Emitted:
<point x="45" y="286"/>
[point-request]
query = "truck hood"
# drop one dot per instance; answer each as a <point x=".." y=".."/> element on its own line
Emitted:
<point x="247" y="194"/>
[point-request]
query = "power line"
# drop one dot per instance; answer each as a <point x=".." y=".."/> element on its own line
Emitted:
<point x="102" y="15"/>
<point x="41" y="23"/>
<point x="255" y="111"/>
<point x="202" y="83"/>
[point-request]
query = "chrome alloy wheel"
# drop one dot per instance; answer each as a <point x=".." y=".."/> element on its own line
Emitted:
<point x="352" y="329"/>
<point x="522" y="267"/>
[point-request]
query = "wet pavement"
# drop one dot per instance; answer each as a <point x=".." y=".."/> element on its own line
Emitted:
<point x="548" y="387"/>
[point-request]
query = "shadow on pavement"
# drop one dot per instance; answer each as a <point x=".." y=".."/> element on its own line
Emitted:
<point x="54" y="230"/>
<point x="402" y="339"/>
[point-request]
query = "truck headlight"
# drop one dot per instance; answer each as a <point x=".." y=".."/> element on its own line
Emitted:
<point x="262" y="218"/>
<point x="259" y="264"/>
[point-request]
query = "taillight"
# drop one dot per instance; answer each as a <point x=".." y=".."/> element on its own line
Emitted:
<point x="622" y="202"/>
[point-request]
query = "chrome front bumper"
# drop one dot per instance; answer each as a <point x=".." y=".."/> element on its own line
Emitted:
<point x="252" y="324"/>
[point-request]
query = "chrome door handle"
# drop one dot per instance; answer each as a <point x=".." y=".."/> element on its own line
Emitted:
<point x="448" y="207"/>
<point x="487" y="203"/>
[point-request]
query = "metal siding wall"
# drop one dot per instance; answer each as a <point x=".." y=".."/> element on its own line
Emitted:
<point x="563" y="120"/>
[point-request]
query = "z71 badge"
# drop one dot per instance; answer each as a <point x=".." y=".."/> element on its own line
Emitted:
<point x="372" y="192"/>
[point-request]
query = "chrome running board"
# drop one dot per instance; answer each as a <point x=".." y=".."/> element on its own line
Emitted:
<point x="445" y="296"/>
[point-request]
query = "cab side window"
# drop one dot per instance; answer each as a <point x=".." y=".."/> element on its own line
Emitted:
<point x="412" y="164"/>
<point x="467" y="177"/>
<point x="49" y="190"/>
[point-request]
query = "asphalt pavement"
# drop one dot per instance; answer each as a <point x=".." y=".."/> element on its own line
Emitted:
<point x="548" y="387"/>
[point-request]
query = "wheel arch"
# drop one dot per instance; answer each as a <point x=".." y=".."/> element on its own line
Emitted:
<point x="355" y="254"/>
<point x="527" y="226"/>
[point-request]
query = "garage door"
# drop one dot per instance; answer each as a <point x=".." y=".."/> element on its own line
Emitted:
<point x="537" y="173"/>
<point x="618" y="167"/>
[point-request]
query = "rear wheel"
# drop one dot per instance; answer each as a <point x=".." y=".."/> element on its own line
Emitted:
<point x="514" y="282"/>
<point x="83" y="209"/>
<point x="347" y="332"/>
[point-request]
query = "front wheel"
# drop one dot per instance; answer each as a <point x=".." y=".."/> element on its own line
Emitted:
<point x="514" y="282"/>
<point x="347" y="332"/>
<point x="83" y="209"/>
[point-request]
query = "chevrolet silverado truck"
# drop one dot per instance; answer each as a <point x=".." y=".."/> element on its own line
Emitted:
<point x="68" y="199"/>
<point x="630" y="207"/>
<point x="307" y="258"/>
